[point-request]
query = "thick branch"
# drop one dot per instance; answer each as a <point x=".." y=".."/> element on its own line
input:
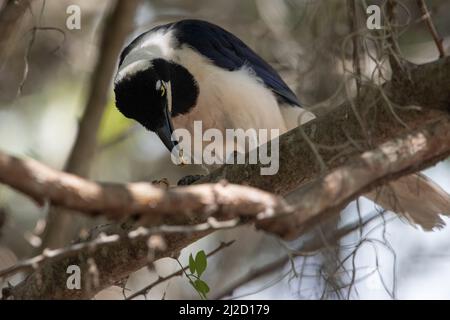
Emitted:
<point x="116" y="28"/>
<point x="391" y="160"/>
<point x="118" y="202"/>
<point x="338" y="131"/>
<point x="428" y="87"/>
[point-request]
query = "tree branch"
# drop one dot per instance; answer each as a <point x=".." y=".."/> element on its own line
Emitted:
<point x="10" y="18"/>
<point x="121" y="201"/>
<point x="144" y="291"/>
<point x="424" y="140"/>
<point x="117" y="26"/>
<point x="434" y="33"/>
<point x="116" y="29"/>
<point x="426" y="87"/>
<point x="104" y="241"/>
<point x="398" y="157"/>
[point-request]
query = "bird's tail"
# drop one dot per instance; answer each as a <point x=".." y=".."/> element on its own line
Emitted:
<point x="416" y="198"/>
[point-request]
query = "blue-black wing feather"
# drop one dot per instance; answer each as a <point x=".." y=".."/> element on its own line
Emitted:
<point x="223" y="49"/>
<point x="227" y="51"/>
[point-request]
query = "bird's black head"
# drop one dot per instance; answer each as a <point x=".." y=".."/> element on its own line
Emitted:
<point x="153" y="93"/>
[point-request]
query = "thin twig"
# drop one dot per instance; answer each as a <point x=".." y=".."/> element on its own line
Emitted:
<point x="108" y="240"/>
<point x="310" y="248"/>
<point x="144" y="291"/>
<point x="426" y="15"/>
<point x="11" y="15"/>
<point x="353" y="23"/>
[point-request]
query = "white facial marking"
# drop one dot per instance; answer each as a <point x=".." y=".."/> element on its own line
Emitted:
<point x="169" y="95"/>
<point x="158" y="85"/>
<point x="132" y="68"/>
<point x="159" y="43"/>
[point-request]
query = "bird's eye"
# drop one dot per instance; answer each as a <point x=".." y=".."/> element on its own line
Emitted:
<point x="161" y="87"/>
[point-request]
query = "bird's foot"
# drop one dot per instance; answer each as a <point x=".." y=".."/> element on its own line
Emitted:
<point x="163" y="183"/>
<point x="185" y="181"/>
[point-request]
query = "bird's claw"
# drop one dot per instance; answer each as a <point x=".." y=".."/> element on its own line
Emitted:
<point x="163" y="183"/>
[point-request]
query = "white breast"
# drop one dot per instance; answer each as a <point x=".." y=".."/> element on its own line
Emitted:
<point x="234" y="99"/>
<point x="227" y="99"/>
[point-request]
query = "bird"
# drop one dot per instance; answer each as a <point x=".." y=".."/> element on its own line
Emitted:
<point x="208" y="74"/>
<point x="193" y="70"/>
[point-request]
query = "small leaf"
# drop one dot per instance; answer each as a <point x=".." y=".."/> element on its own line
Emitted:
<point x="202" y="287"/>
<point x="200" y="262"/>
<point x="113" y="124"/>
<point x="191" y="263"/>
<point x="196" y="289"/>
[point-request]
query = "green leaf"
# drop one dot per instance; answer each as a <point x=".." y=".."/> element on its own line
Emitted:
<point x="196" y="289"/>
<point x="191" y="264"/>
<point x="113" y="124"/>
<point x="202" y="287"/>
<point x="200" y="262"/>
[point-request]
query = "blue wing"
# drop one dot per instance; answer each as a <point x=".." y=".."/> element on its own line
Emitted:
<point x="224" y="50"/>
<point x="229" y="52"/>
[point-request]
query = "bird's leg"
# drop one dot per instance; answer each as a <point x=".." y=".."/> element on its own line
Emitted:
<point x="163" y="183"/>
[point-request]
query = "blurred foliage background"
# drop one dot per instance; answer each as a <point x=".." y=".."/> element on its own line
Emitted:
<point x="43" y="87"/>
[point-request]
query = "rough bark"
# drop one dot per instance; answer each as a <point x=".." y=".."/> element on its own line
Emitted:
<point x="123" y="201"/>
<point x="426" y="87"/>
<point x="421" y="133"/>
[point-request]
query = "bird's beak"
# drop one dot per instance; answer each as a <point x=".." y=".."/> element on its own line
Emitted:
<point x="165" y="132"/>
